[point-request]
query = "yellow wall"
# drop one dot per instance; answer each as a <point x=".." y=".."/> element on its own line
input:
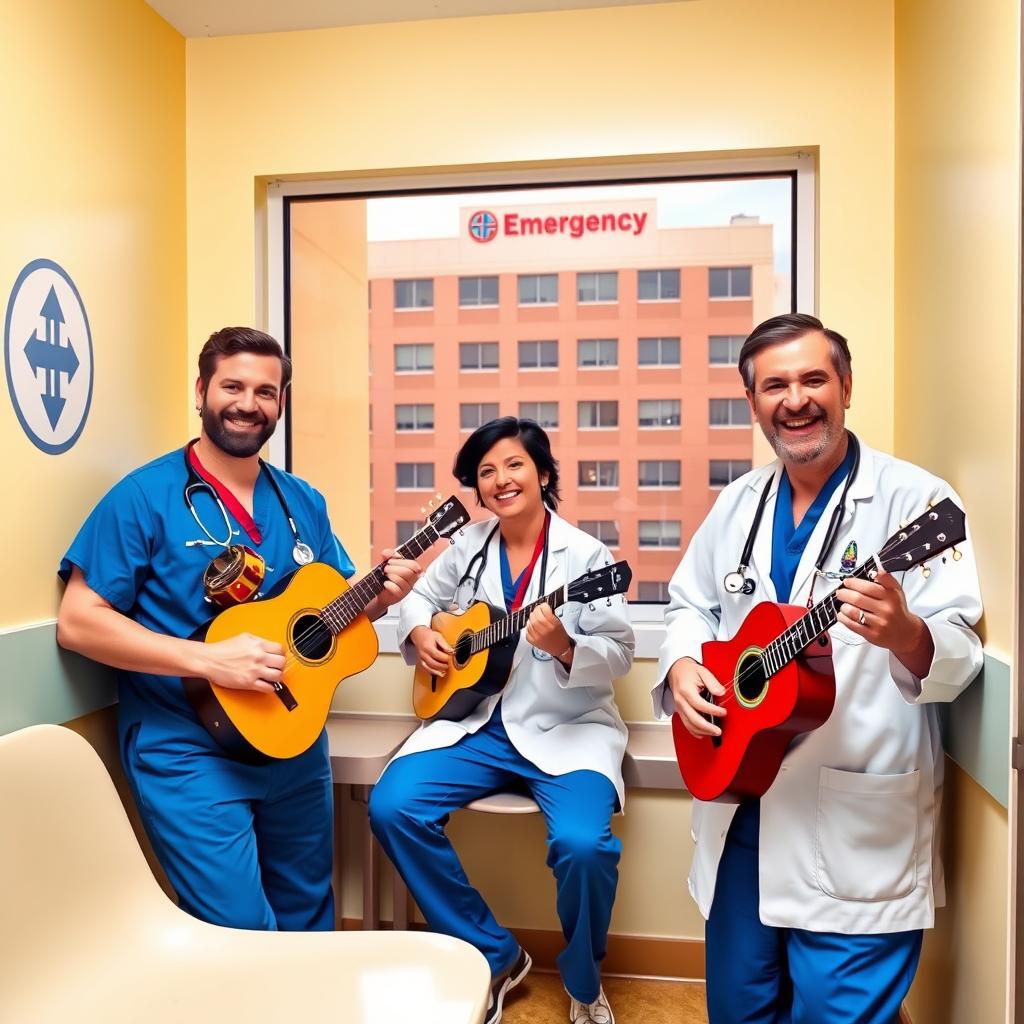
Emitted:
<point x="92" y="177"/>
<point x="957" y="374"/>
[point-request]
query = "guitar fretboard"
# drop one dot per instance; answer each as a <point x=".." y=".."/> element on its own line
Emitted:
<point x="342" y="611"/>
<point x="787" y="645"/>
<point x="514" y="622"/>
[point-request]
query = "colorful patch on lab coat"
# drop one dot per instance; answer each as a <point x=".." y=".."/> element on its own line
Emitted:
<point x="849" y="560"/>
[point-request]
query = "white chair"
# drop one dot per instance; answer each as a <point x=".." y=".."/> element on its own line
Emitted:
<point x="87" y="935"/>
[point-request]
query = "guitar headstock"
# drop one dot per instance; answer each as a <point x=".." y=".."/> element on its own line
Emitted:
<point x="447" y="516"/>
<point x="603" y="582"/>
<point x="942" y="527"/>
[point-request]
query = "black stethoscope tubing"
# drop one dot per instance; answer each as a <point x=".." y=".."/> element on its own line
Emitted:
<point x="482" y="552"/>
<point x="736" y="582"/>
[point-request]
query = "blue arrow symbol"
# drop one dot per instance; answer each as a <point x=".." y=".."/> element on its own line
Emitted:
<point x="49" y="355"/>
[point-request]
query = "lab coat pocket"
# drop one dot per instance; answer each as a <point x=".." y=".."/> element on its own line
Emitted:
<point x="846" y="636"/>
<point x="867" y="826"/>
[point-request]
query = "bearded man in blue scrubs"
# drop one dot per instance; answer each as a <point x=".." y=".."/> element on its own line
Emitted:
<point x="244" y="845"/>
<point x="816" y="895"/>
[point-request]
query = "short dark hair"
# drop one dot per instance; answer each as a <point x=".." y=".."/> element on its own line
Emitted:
<point x="229" y="341"/>
<point x="789" y="327"/>
<point x="533" y="439"/>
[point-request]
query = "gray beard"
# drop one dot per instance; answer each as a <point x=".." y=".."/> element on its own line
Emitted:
<point x="803" y="455"/>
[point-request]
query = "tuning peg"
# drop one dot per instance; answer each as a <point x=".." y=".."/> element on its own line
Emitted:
<point x="608" y="601"/>
<point x="437" y="497"/>
<point x="957" y="555"/>
<point x="423" y="511"/>
<point x="904" y="523"/>
<point x="925" y="571"/>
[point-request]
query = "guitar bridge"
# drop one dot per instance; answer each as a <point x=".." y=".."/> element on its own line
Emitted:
<point x="285" y="696"/>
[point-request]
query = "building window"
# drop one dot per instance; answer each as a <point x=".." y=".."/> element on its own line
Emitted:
<point x="414" y="417"/>
<point x="597" y="353"/>
<point x="414" y="476"/>
<point x="658" y="352"/>
<point x="658" y="412"/>
<point x="724" y="349"/>
<point x="414" y="293"/>
<point x="723" y="471"/>
<point x="603" y="287"/>
<point x="660" y="533"/>
<point x="729" y="283"/>
<point x="598" y="474"/>
<point x="414" y="359"/>
<point x="538" y="355"/>
<point x="405" y="529"/>
<point x="597" y="415"/>
<point x="652" y="592"/>
<point x="478" y="291"/>
<point x="538" y="289"/>
<point x="478" y="355"/>
<point x="729" y="412"/>
<point x="657" y="285"/>
<point x="604" y="530"/>
<point x="659" y="473"/>
<point x="545" y="414"/>
<point x="476" y="414"/>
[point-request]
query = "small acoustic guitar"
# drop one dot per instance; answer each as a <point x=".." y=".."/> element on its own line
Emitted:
<point x="777" y="673"/>
<point x="484" y="639"/>
<point x="320" y="622"/>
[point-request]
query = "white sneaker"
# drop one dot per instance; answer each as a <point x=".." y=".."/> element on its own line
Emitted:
<point x="597" y="1012"/>
<point x="504" y="983"/>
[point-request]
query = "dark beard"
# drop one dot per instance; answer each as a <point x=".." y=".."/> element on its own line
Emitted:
<point x="232" y="444"/>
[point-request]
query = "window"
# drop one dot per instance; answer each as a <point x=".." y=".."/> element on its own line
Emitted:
<point x="724" y="471"/>
<point x="658" y="473"/>
<point x="476" y="414"/>
<point x="598" y="474"/>
<point x="604" y="530"/>
<point x="658" y="412"/>
<point x="657" y="285"/>
<point x="414" y="359"/>
<point x="729" y="283"/>
<point x="404" y="529"/>
<point x="543" y="413"/>
<point x="538" y="289"/>
<point x="651" y="592"/>
<point x="597" y="352"/>
<point x="416" y="293"/>
<point x="478" y="291"/>
<point x="414" y="417"/>
<point x="729" y="412"/>
<point x="414" y="476"/>
<point x="660" y="533"/>
<point x="658" y="352"/>
<point x="478" y="355"/>
<point x="603" y="287"/>
<point x="538" y="355"/>
<point x="724" y="349"/>
<point x="596" y="415"/>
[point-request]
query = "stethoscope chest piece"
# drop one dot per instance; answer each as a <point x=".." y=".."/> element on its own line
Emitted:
<point x="302" y="553"/>
<point x="737" y="583"/>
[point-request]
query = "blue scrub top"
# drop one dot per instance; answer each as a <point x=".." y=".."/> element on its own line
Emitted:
<point x="131" y="551"/>
<point x="789" y="541"/>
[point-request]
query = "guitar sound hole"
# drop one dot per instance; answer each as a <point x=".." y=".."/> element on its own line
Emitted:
<point x="311" y="638"/>
<point x="751" y="681"/>
<point x="463" y="649"/>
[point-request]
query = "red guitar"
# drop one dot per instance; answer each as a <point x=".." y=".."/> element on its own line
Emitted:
<point x="777" y="671"/>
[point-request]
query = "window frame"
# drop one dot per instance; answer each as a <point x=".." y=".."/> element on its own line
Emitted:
<point x="661" y="485"/>
<point x="520" y="342"/>
<point x="730" y="297"/>
<point x="558" y="412"/>
<point x="611" y="546"/>
<point x="598" y="463"/>
<point x="733" y="402"/>
<point x="597" y="274"/>
<point x="412" y="309"/>
<point x="659" y="271"/>
<point x="479" y="346"/>
<point x="416" y="486"/>
<point x="417" y="429"/>
<point x="480" y="278"/>
<point x="479" y="405"/>
<point x="413" y="345"/>
<point x="539" y="301"/>
<point x="660" y="340"/>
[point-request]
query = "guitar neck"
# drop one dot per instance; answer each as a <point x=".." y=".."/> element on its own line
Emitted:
<point x="515" y="622"/>
<point x="342" y="611"/>
<point x="818" y="620"/>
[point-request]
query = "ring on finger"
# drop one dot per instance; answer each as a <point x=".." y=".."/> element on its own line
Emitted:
<point x="862" y="618"/>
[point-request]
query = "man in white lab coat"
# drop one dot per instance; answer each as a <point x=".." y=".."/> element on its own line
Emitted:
<point x="816" y="895"/>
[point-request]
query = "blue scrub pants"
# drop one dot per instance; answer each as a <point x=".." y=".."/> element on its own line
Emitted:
<point x="244" y="846"/>
<point x="409" y="809"/>
<point x="762" y="975"/>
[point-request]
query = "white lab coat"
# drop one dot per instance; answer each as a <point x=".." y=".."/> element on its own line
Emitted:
<point x="848" y="839"/>
<point x="560" y="721"/>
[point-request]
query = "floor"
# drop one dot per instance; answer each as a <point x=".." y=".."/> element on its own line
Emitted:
<point x="540" y="999"/>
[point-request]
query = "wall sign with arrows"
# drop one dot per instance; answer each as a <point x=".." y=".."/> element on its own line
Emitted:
<point x="48" y="356"/>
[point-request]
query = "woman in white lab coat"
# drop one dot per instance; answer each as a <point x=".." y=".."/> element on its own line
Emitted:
<point x="553" y="730"/>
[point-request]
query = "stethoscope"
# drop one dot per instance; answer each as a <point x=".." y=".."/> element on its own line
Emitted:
<point x="302" y="553"/>
<point x="736" y="582"/>
<point x="481" y="557"/>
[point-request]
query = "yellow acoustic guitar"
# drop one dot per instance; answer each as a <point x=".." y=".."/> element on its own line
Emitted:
<point x="484" y="639"/>
<point x="320" y="622"/>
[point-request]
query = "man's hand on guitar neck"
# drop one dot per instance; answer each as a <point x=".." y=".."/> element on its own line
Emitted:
<point x="245" y="662"/>
<point x="401" y="575"/>
<point x="689" y="681"/>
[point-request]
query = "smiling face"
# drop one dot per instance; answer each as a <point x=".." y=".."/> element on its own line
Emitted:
<point x="508" y="482"/>
<point x="799" y="399"/>
<point x="241" y="404"/>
